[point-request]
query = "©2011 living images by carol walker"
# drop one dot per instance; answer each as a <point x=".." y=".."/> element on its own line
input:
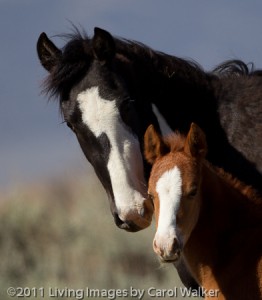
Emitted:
<point x="131" y="292"/>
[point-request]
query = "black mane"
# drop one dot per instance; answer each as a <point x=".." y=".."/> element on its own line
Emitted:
<point x="234" y="68"/>
<point x="157" y="60"/>
<point x="77" y="55"/>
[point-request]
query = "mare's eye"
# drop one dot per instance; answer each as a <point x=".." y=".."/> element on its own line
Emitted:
<point x="192" y="193"/>
<point x="127" y="112"/>
<point x="126" y="106"/>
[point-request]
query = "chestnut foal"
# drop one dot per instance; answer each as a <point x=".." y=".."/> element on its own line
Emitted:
<point x="206" y="216"/>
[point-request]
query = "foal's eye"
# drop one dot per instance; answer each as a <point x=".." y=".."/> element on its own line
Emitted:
<point x="192" y="193"/>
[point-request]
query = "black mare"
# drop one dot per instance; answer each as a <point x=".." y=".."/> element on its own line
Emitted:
<point x="111" y="89"/>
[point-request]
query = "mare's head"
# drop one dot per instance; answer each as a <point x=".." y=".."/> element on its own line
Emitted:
<point x="174" y="187"/>
<point x="96" y="87"/>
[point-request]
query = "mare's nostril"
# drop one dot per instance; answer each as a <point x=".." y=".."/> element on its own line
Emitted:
<point x="128" y="226"/>
<point x="118" y="221"/>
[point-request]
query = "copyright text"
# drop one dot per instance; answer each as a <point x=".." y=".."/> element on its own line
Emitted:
<point x="80" y="294"/>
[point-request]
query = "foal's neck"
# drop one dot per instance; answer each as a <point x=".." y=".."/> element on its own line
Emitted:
<point x="229" y="214"/>
<point x="229" y="227"/>
<point x="228" y="201"/>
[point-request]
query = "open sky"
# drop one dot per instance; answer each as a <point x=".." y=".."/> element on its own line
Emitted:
<point x="34" y="144"/>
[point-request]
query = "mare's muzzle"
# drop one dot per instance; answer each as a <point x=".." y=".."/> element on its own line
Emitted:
<point x="128" y="226"/>
<point x="136" y="221"/>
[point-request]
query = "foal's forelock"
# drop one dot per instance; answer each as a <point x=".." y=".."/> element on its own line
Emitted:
<point x="125" y="164"/>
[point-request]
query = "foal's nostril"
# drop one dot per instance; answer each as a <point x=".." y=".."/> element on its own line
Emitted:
<point x="155" y="245"/>
<point x="157" y="249"/>
<point x="175" y="247"/>
<point x="175" y="250"/>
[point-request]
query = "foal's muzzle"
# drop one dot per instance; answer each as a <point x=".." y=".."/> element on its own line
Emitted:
<point x="168" y="253"/>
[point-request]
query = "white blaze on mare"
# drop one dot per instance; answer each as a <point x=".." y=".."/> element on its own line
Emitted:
<point x="125" y="163"/>
<point x="169" y="189"/>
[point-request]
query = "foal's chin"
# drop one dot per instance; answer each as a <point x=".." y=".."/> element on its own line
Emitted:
<point x="172" y="260"/>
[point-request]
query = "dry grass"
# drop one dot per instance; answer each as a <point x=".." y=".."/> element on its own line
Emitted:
<point x="62" y="235"/>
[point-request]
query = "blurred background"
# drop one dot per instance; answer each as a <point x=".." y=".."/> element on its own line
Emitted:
<point x="55" y="225"/>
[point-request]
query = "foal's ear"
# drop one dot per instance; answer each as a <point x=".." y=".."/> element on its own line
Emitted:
<point x="196" y="144"/>
<point x="154" y="146"/>
<point x="103" y="45"/>
<point x="47" y="52"/>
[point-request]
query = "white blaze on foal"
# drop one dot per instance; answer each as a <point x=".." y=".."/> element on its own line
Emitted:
<point x="169" y="189"/>
<point x="125" y="164"/>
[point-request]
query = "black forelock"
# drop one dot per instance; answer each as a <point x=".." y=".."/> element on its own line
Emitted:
<point x="71" y="66"/>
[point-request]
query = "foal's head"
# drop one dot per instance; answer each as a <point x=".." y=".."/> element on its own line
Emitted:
<point x="174" y="187"/>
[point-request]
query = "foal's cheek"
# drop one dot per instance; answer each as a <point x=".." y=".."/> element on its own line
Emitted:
<point x="181" y="228"/>
<point x="184" y="221"/>
<point x="190" y="217"/>
<point x="181" y="215"/>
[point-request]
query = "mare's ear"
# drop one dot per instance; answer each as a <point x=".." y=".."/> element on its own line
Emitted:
<point x="47" y="52"/>
<point x="196" y="144"/>
<point x="154" y="146"/>
<point x="103" y="45"/>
